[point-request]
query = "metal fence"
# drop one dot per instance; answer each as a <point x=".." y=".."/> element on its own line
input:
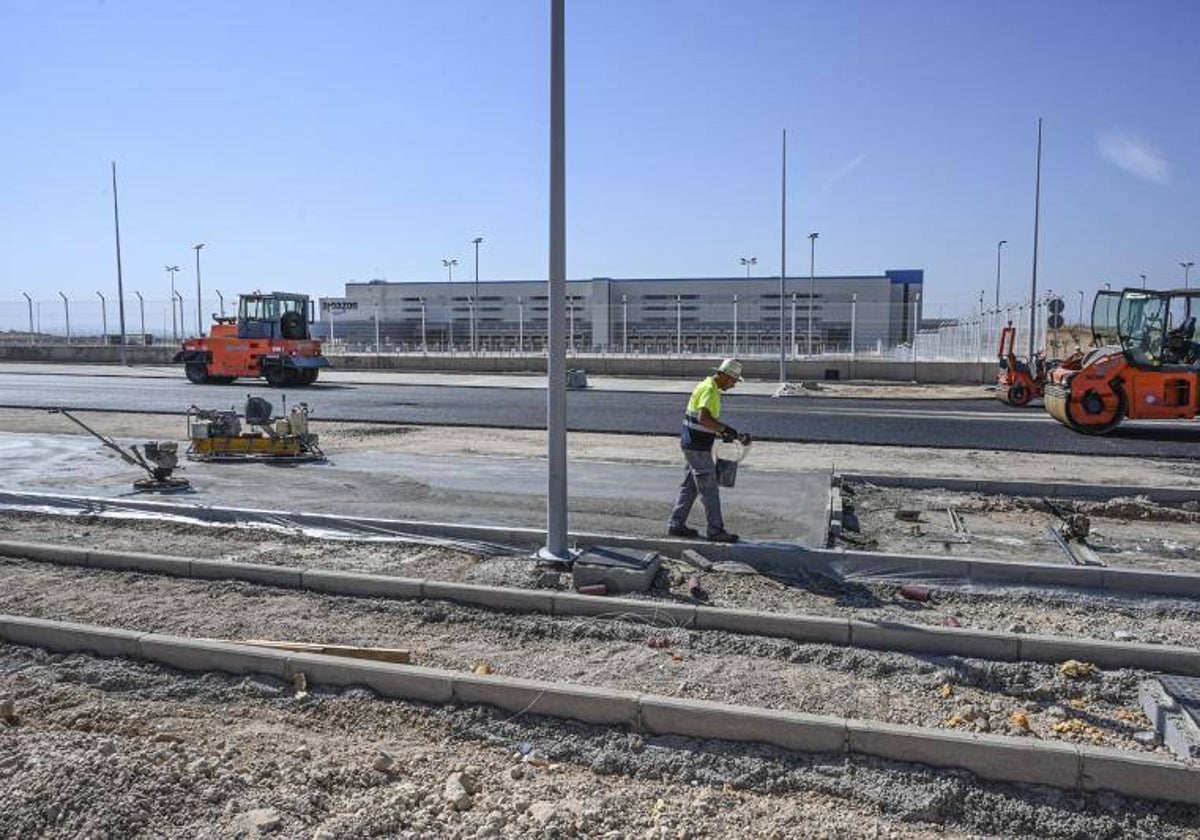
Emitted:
<point x="96" y="320"/>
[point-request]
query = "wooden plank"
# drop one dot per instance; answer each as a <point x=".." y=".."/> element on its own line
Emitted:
<point x="398" y="655"/>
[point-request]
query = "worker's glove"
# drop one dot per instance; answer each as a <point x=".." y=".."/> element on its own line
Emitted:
<point x="729" y="434"/>
<point x="744" y="438"/>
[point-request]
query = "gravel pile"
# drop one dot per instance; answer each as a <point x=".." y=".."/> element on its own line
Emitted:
<point x="109" y="748"/>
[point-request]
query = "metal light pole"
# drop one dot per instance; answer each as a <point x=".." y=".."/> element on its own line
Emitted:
<point x="782" y="259"/>
<point x="1081" y="304"/>
<point x="999" y="246"/>
<point x="735" y="325"/>
<point x="67" y="314"/>
<point x="424" y="345"/>
<point x="1143" y="276"/>
<point x="178" y="299"/>
<point x="916" y="326"/>
<point x="103" y="319"/>
<point x="520" y="324"/>
<point x="749" y="261"/>
<point x="1187" y="268"/>
<point x="221" y="298"/>
<point x="1037" y="207"/>
<point x="450" y="284"/>
<point x="625" y="324"/>
<point x="29" y="301"/>
<point x="199" y="294"/>
<point x="120" y="280"/>
<point x="171" y="269"/>
<point x="571" y="334"/>
<point x="142" y="312"/>
<point x="812" y="286"/>
<point x="853" y="320"/>
<point x="793" y="343"/>
<point x="474" y="329"/>
<point x="377" y="348"/>
<point x="556" y="358"/>
<point x="471" y="312"/>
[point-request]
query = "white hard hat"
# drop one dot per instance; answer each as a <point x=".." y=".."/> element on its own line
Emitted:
<point x="731" y="368"/>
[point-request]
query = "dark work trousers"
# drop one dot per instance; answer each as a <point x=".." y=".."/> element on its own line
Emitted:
<point x="700" y="479"/>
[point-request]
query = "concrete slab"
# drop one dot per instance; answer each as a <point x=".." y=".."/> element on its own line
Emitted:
<point x="1133" y="774"/>
<point x="69" y="637"/>
<point x="987" y="756"/>
<point x="606" y="497"/>
<point x="202" y="655"/>
<point x="401" y="682"/>
<point x="617" y="569"/>
<point x="575" y="702"/>
<point x="701" y="719"/>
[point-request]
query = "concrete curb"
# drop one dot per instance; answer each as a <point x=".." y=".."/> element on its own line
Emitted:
<point x="785" y="560"/>
<point x="993" y="757"/>
<point x="1053" y="489"/>
<point x="895" y="636"/>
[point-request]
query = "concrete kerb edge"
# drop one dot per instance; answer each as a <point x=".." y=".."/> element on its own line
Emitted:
<point x="989" y="757"/>
<point x="808" y="629"/>
<point x="1167" y="495"/>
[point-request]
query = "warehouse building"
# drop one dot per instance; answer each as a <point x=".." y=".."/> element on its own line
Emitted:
<point x="689" y="315"/>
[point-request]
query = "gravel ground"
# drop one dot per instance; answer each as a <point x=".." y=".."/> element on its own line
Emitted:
<point x="110" y="748"/>
<point x="1133" y="532"/>
<point x="973" y="695"/>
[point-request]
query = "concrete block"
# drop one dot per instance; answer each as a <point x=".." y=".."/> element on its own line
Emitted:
<point x="402" y="682"/>
<point x="1143" y="776"/>
<point x="67" y="555"/>
<point x="575" y="702"/>
<point x="70" y="637"/>
<point x="1170" y="658"/>
<point x="702" y="719"/>
<point x="914" y="638"/>
<point x="801" y="628"/>
<point x="1159" y="583"/>
<point x="287" y="576"/>
<point x="492" y="597"/>
<point x="994" y="757"/>
<point x="360" y="585"/>
<point x="619" y="569"/>
<point x="126" y="561"/>
<point x="657" y="613"/>
<point x="202" y="655"/>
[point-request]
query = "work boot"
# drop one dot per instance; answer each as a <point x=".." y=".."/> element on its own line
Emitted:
<point x="722" y="537"/>
<point x="682" y="531"/>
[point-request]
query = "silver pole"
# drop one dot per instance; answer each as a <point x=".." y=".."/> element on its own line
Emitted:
<point x="853" y="321"/>
<point x="1037" y="206"/>
<point x="377" y="347"/>
<point x="171" y="269"/>
<point x="916" y="326"/>
<point x="450" y="286"/>
<point x="120" y="279"/>
<point x="67" y="313"/>
<point x="793" y="344"/>
<point x="520" y="324"/>
<point x="678" y="325"/>
<point x="474" y="329"/>
<point x="221" y="298"/>
<point x="735" y="325"/>
<point x="424" y="344"/>
<point x="812" y="285"/>
<point x="999" y="245"/>
<point x="556" y="362"/>
<point x="782" y="259"/>
<point x="199" y="295"/>
<point x="178" y="300"/>
<point x="29" y="301"/>
<point x="103" y="318"/>
<point x="142" y="312"/>
<point x="625" y="324"/>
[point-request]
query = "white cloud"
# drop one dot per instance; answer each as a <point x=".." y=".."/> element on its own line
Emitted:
<point x="844" y="170"/>
<point x="1133" y="154"/>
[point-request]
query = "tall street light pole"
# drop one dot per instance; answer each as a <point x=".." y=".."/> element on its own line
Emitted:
<point x="749" y="261"/>
<point x="1143" y="276"/>
<point x="475" y="303"/>
<point x="171" y="269"/>
<point x="142" y="312"/>
<point x="29" y="301"/>
<point x="812" y="285"/>
<point x="556" y="355"/>
<point x="999" y="246"/>
<point x="1187" y="268"/>
<point x="120" y="281"/>
<point x="449" y="264"/>
<point x="782" y="259"/>
<point x="199" y="300"/>
<point x="1037" y="207"/>
<point x="66" y="314"/>
<point x="103" y="318"/>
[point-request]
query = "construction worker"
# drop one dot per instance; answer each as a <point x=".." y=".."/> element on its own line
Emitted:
<point x="701" y="428"/>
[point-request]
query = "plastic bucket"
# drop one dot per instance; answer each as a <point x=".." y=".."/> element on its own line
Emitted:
<point x="727" y="468"/>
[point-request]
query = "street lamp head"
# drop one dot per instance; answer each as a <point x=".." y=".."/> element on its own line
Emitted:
<point x="813" y="235"/>
<point x="198" y="247"/>
<point x="476" y="240"/>
<point x="172" y="268"/>
<point x="1001" y="242"/>
<point x="449" y="263"/>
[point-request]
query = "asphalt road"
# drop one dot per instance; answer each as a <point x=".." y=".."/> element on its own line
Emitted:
<point x="952" y="424"/>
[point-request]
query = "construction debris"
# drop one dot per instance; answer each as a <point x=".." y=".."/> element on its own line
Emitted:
<point x="1077" y="670"/>
<point x="618" y="569"/>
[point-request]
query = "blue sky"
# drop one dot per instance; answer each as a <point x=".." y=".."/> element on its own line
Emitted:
<point x="311" y="143"/>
